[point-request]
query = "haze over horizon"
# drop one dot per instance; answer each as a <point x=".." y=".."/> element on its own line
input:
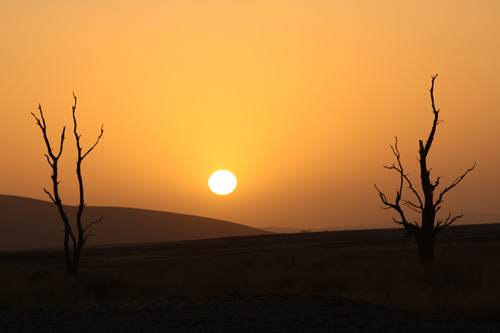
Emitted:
<point x="301" y="100"/>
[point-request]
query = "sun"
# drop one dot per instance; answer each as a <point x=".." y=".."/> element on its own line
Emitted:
<point x="222" y="182"/>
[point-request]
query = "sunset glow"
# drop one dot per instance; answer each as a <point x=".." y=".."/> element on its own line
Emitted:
<point x="302" y="98"/>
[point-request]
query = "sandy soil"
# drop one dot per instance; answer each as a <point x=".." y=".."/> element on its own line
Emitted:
<point x="239" y="313"/>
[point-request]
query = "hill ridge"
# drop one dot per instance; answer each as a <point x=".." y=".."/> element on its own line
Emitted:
<point x="28" y="223"/>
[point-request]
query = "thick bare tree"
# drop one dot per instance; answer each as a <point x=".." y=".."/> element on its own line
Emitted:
<point x="79" y="236"/>
<point x="427" y="205"/>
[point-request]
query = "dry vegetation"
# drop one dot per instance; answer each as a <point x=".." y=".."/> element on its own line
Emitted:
<point x="466" y="283"/>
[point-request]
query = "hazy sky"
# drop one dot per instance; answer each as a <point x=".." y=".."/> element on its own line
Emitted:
<point x="301" y="100"/>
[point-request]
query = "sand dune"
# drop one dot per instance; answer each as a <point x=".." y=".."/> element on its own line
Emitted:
<point x="29" y="223"/>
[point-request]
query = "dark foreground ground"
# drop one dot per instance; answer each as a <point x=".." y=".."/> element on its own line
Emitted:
<point x="239" y="313"/>
<point x="276" y="283"/>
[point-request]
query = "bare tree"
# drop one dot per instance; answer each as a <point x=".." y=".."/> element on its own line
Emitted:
<point x="72" y="256"/>
<point x="427" y="206"/>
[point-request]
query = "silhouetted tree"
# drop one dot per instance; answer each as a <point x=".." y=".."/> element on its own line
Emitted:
<point x="427" y="206"/>
<point x="80" y="235"/>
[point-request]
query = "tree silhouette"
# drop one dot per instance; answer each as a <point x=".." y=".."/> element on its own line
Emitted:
<point x="72" y="257"/>
<point x="427" y="206"/>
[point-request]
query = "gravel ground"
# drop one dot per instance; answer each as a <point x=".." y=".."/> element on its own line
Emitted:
<point x="239" y="313"/>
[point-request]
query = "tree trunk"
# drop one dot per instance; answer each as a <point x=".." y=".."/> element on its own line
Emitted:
<point x="67" y="255"/>
<point x="76" y="259"/>
<point x="426" y="249"/>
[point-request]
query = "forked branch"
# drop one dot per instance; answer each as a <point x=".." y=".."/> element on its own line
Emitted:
<point x="77" y="136"/>
<point x="440" y="225"/>
<point x="455" y="183"/>
<point x="50" y="195"/>
<point x="404" y="177"/>
<point x="425" y="150"/>
<point x="51" y="157"/>
<point x="88" y="227"/>
<point x="412" y="228"/>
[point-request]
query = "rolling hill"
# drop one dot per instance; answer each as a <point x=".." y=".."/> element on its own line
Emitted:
<point x="29" y="224"/>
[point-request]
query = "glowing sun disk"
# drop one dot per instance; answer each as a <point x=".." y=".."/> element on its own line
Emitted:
<point x="222" y="182"/>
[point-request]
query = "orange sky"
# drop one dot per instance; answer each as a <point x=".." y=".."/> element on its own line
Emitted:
<point x="301" y="100"/>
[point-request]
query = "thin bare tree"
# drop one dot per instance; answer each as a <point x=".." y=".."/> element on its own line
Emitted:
<point x="426" y="205"/>
<point x="79" y="236"/>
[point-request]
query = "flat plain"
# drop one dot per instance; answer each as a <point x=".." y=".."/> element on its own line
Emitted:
<point x="363" y="280"/>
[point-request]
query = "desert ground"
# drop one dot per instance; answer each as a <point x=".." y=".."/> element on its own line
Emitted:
<point x="344" y="281"/>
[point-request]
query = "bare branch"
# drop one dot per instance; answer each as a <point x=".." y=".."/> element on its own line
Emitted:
<point x="436" y="183"/>
<point x="455" y="183"/>
<point x="428" y="144"/>
<point x="413" y="206"/>
<point x="91" y="224"/>
<point x="384" y="198"/>
<point x="432" y="94"/>
<point x="77" y="136"/>
<point x="41" y="114"/>
<point x="405" y="176"/>
<point x="48" y="160"/>
<point x="396" y="221"/>
<point x="441" y="225"/>
<point x="87" y="237"/>
<point x="439" y="222"/>
<point x="43" y="127"/>
<point x="412" y="228"/>
<point x="62" y="141"/>
<point x="40" y="123"/>
<point x="95" y="144"/>
<point x="74" y="116"/>
<point x="410" y="186"/>
<point x="36" y="118"/>
<point x="50" y="195"/>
